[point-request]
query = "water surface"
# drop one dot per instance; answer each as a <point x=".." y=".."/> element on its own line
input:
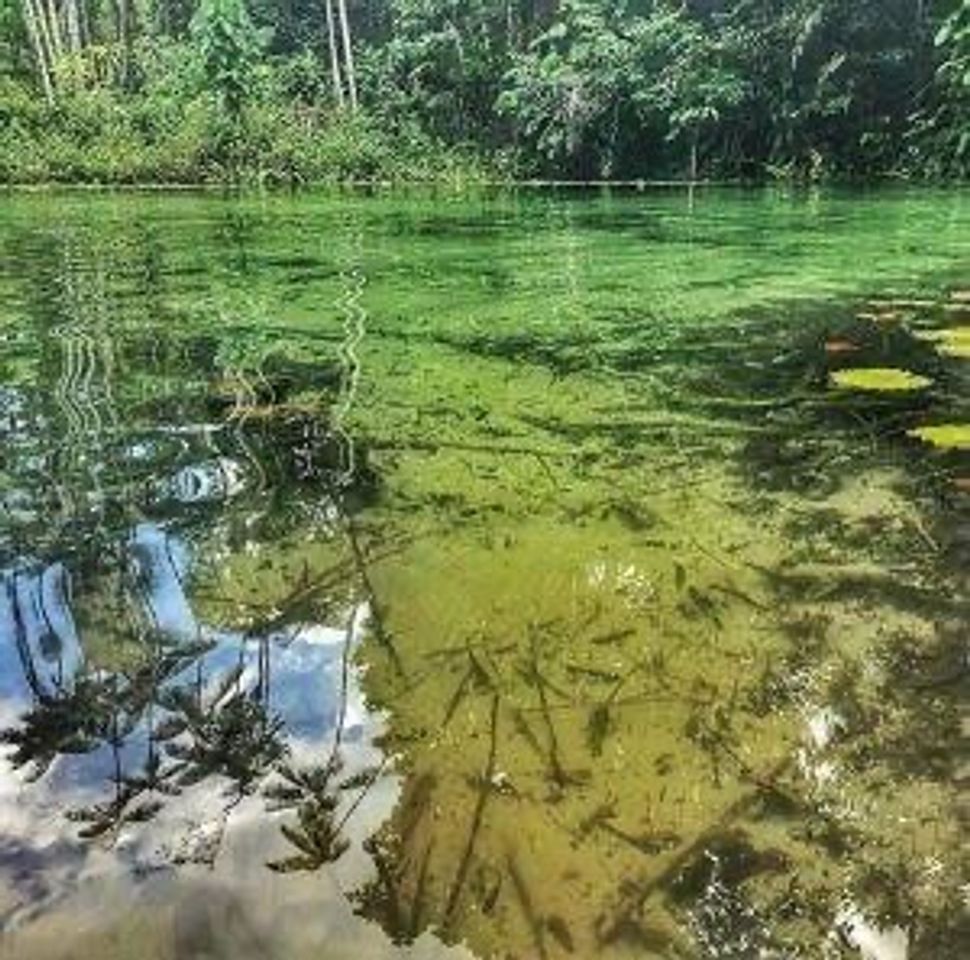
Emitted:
<point x="518" y="575"/>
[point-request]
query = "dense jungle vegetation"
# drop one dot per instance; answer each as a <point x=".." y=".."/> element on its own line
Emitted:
<point x="304" y="90"/>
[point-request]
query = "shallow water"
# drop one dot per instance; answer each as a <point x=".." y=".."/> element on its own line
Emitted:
<point x="502" y="575"/>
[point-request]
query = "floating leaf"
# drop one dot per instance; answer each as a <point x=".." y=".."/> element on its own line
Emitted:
<point x="951" y="342"/>
<point x="883" y="379"/>
<point x="954" y="342"/>
<point x="958" y="351"/>
<point x="946" y="436"/>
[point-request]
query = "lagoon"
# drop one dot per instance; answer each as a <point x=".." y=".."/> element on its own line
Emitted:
<point x="516" y="573"/>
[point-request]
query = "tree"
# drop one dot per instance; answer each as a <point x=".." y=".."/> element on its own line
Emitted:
<point x="571" y="94"/>
<point x="563" y="88"/>
<point x="348" y="52"/>
<point x="229" y="44"/>
<point x="696" y="85"/>
<point x="36" y="24"/>
<point x="338" y="87"/>
<point x="950" y="116"/>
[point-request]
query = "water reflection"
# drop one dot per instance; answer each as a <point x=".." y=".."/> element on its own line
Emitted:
<point x="599" y="618"/>
<point x="158" y="711"/>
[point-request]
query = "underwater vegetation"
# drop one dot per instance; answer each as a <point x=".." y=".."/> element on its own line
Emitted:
<point x="349" y="604"/>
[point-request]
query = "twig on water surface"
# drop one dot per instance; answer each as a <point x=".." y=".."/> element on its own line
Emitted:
<point x="484" y="791"/>
<point x="365" y="789"/>
<point x="363" y="575"/>
<point x="528" y="908"/>
<point x="636" y="893"/>
<point x="344" y="681"/>
<point x="558" y="773"/>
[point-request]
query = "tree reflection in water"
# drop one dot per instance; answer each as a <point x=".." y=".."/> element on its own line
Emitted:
<point x="133" y="673"/>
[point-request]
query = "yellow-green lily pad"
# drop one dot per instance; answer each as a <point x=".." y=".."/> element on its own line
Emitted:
<point x="951" y="341"/>
<point x="946" y="436"/>
<point x="960" y="349"/>
<point x="883" y="379"/>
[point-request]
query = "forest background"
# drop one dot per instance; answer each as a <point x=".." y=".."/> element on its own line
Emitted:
<point x="301" y="91"/>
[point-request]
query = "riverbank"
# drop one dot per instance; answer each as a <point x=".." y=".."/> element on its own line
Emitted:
<point x="101" y="139"/>
<point x="97" y="139"/>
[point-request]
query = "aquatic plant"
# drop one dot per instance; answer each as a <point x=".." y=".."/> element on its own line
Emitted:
<point x="945" y="436"/>
<point x="880" y="380"/>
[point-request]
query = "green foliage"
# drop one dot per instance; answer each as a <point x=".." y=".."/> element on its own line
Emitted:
<point x="596" y="92"/>
<point x="695" y="84"/>
<point x="229" y="45"/>
<point x="173" y="132"/>
<point x="570" y="95"/>
<point x="948" y="122"/>
<point x="580" y="88"/>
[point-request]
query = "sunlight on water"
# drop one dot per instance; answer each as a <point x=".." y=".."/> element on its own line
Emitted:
<point x="526" y="575"/>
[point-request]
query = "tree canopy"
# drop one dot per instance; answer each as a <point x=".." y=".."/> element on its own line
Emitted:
<point x="298" y="90"/>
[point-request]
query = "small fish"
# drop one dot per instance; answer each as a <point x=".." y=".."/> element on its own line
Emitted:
<point x="614" y="636"/>
<point x="598" y="728"/>
<point x="837" y="346"/>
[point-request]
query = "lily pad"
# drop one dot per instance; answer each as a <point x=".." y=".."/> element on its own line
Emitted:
<point x="882" y="379"/>
<point x="951" y="342"/>
<point x="960" y="349"/>
<point x="943" y="334"/>
<point x="946" y="436"/>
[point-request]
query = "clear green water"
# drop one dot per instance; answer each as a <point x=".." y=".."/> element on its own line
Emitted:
<point x="510" y="575"/>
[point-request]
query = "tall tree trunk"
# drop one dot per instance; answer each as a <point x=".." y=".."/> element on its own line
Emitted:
<point x="54" y="30"/>
<point x="348" y="54"/>
<point x="50" y="51"/>
<point x="338" y="87"/>
<point x="124" y="21"/>
<point x="41" y="55"/>
<point x="87" y="35"/>
<point x="509" y="26"/>
<point x="72" y="19"/>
